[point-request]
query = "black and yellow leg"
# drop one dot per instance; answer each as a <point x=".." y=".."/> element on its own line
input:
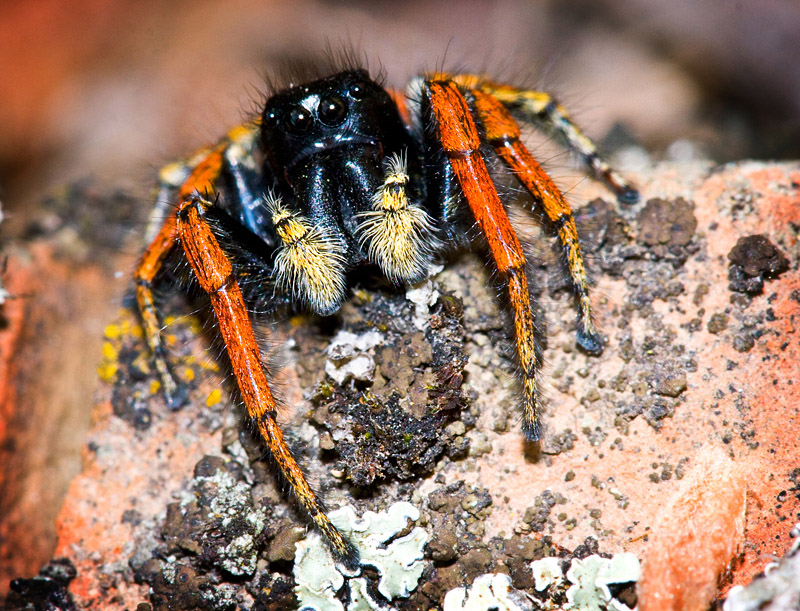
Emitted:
<point x="541" y="107"/>
<point x="461" y="143"/>
<point x="503" y="134"/>
<point x="201" y="180"/>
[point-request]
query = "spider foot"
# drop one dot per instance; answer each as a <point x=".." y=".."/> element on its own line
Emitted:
<point x="591" y="343"/>
<point x="343" y="550"/>
<point x="627" y="195"/>
<point x="532" y="430"/>
<point x="531" y="424"/>
<point x="348" y="556"/>
<point x="177" y="398"/>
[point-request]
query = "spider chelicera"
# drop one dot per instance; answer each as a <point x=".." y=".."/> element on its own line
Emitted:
<point x="341" y="172"/>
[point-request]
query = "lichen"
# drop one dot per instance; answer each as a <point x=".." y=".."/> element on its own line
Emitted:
<point x="621" y="568"/>
<point x="350" y="356"/>
<point x="584" y="595"/>
<point x="546" y="572"/>
<point x="591" y="577"/>
<point x="398" y="560"/>
<point x="231" y="507"/>
<point x="492" y="591"/>
<point x="219" y="523"/>
<point x="317" y="576"/>
<point x="423" y="296"/>
<point x="777" y="589"/>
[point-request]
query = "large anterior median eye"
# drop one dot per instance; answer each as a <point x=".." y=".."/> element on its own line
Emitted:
<point x="332" y="110"/>
<point x="299" y="120"/>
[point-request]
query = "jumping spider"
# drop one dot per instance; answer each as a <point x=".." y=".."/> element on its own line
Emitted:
<point x="339" y="173"/>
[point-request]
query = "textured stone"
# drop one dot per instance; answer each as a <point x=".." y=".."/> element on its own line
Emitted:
<point x="750" y="409"/>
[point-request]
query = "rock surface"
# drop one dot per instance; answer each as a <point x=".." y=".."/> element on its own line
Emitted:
<point x="690" y="365"/>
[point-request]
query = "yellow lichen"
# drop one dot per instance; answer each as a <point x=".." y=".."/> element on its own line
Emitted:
<point x="214" y="397"/>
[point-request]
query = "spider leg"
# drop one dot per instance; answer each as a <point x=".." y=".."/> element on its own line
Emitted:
<point x="177" y="182"/>
<point x="461" y="143"/>
<point x="541" y="107"/>
<point x="170" y="178"/>
<point x="503" y="133"/>
<point x="246" y="179"/>
<point x="215" y="274"/>
<point x="200" y="180"/>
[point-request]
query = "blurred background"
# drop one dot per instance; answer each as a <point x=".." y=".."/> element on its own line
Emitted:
<point x="103" y="93"/>
<point x="113" y="89"/>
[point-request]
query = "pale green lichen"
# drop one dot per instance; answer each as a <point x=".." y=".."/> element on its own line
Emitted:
<point x="592" y="576"/>
<point x="360" y="598"/>
<point x="230" y="505"/>
<point x="546" y="572"/>
<point x="316" y="575"/>
<point x="492" y="591"/>
<point x="224" y="595"/>
<point x="584" y="595"/>
<point x="398" y="560"/>
<point x="621" y="568"/>
<point x="226" y="527"/>
<point x="238" y="557"/>
<point x="586" y="584"/>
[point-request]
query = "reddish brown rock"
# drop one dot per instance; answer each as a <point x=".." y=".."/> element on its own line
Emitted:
<point x="622" y="429"/>
<point x="49" y="346"/>
<point x="696" y="537"/>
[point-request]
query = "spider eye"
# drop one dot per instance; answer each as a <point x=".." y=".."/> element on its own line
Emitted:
<point x="271" y="118"/>
<point x="299" y="120"/>
<point x="357" y="90"/>
<point x="332" y="110"/>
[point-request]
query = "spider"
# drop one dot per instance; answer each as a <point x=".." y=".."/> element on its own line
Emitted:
<point x="341" y="172"/>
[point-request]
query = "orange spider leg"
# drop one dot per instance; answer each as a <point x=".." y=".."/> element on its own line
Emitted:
<point x="215" y="275"/>
<point x="461" y="143"/>
<point x="214" y="272"/>
<point x="201" y="180"/>
<point x="503" y="134"/>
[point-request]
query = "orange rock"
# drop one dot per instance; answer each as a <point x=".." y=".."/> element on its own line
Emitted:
<point x="609" y="478"/>
<point x="695" y="537"/>
<point x="44" y="393"/>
